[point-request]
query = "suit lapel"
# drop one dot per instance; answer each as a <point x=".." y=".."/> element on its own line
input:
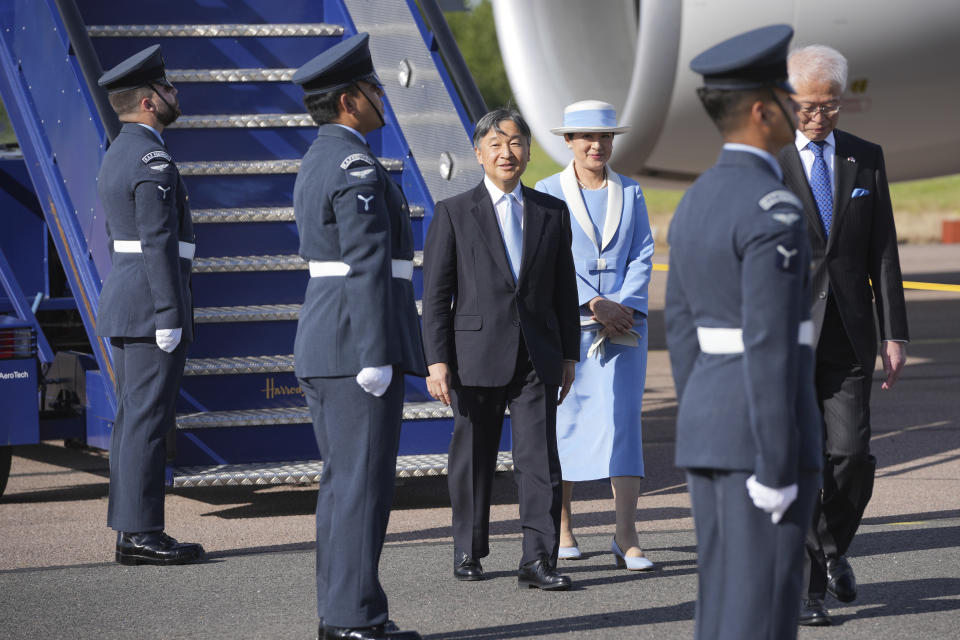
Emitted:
<point x="533" y="221"/>
<point x="846" y="176"/>
<point x="486" y="218"/>
<point x="796" y="180"/>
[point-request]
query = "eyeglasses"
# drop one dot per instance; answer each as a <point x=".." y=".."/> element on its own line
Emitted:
<point x="829" y="109"/>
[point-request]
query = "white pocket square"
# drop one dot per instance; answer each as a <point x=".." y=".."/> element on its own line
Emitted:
<point x="857" y="193"/>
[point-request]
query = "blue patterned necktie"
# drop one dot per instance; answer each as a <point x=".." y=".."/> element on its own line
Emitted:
<point x="820" y="185"/>
<point x="513" y="234"/>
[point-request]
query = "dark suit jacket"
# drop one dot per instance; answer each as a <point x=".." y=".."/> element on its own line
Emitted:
<point x="862" y="247"/>
<point x="465" y="262"/>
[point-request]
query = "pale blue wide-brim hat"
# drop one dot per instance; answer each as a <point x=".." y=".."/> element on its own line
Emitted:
<point x="589" y="116"/>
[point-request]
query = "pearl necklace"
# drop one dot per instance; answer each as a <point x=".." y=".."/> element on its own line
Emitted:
<point x="603" y="185"/>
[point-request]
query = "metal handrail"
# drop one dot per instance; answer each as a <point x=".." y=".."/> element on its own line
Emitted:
<point x="89" y="63"/>
<point x="456" y="66"/>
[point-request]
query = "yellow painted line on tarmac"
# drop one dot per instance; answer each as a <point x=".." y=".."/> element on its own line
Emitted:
<point x="931" y="286"/>
<point x="895" y="524"/>
<point x="907" y="284"/>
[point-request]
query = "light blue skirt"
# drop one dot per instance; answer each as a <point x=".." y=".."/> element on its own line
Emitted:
<point x="598" y="425"/>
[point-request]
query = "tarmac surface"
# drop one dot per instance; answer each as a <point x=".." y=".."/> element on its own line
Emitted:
<point x="58" y="578"/>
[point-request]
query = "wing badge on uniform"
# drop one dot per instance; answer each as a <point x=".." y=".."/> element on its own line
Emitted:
<point x="780" y="196"/>
<point x="786" y="218"/>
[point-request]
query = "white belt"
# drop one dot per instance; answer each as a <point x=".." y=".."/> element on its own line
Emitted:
<point x="187" y="249"/>
<point x="324" y="268"/>
<point x="720" y="341"/>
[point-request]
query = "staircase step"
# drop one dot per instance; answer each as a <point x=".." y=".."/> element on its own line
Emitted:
<point x="212" y="30"/>
<point x="229" y="75"/>
<point x="249" y="313"/>
<point x="238" y="365"/>
<point x="293" y="415"/>
<point x="289" y="262"/>
<point x="252" y="167"/>
<point x="267" y="473"/>
<point x="254" y="313"/>
<point x="263" y="214"/>
<point x="245" y="120"/>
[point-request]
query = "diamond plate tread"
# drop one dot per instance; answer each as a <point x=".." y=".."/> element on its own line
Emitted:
<point x="289" y="262"/>
<point x="258" y="474"/>
<point x="230" y="75"/>
<point x="238" y="365"/>
<point x="255" y="313"/>
<point x="213" y="30"/>
<point x="294" y="415"/>
<point x="252" y="167"/>
<point x="243" y="214"/>
<point x="264" y="214"/>
<point x="248" y="313"/>
<point x="241" y="121"/>
<point x="225" y="264"/>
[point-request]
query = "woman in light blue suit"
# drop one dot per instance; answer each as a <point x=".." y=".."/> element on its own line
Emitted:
<point x="598" y="425"/>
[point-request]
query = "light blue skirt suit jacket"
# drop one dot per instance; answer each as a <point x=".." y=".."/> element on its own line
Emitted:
<point x="598" y="424"/>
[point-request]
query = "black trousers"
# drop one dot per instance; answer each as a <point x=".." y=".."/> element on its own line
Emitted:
<point x="357" y="435"/>
<point x="478" y="422"/>
<point x="749" y="569"/>
<point x="843" y="392"/>
<point x="148" y="380"/>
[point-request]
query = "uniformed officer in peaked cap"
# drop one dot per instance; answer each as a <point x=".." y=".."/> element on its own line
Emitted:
<point x="145" y="306"/>
<point x="739" y="334"/>
<point x="357" y="336"/>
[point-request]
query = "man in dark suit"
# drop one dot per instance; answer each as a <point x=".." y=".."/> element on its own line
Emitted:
<point x="842" y="183"/>
<point x="740" y="336"/>
<point x="501" y="328"/>
<point x="357" y="336"/>
<point x="145" y="307"/>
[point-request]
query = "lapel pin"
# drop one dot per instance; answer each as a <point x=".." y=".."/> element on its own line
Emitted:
<point x="851" y="159"/>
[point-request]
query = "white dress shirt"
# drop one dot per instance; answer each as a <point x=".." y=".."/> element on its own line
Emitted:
<point x="500" y="202"/>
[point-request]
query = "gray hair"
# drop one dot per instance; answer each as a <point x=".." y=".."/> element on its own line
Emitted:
<point x="492" y="120"/>
<point x="816" y="63"/>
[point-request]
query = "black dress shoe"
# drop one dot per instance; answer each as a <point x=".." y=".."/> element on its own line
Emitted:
<point x="841" y="583"/>
<point x="155" y="547"/>
<point x="386" y="631"/>
<point x="814" y="614"/>
<point x="467" y="567"/>
<point x="540" y="574"/>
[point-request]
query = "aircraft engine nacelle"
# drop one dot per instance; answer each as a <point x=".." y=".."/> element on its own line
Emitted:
<point x="903" y="90"/>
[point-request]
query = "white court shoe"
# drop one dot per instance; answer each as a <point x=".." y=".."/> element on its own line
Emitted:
<point x="633" y="564"/>
<point x="569" y="553"/>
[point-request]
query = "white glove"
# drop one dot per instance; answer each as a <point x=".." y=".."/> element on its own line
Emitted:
<point x="375" y="380"/>
<point x="168" y="339"/>
<point x="773" y="501"/>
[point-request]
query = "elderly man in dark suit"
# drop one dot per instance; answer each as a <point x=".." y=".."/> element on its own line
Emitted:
<point x="357" y="335"/>
<point x="842" y="183"/>
<point x="145" y="307"/>
<point x="739" y="333"/>
<point x="501" y="328"/>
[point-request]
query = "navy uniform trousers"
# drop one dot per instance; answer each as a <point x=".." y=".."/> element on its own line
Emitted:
<point x="730" y="531"/>
<point x="147" y="382"/>
<point x="478" y="422"/>
<point x="358" y="435"/>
